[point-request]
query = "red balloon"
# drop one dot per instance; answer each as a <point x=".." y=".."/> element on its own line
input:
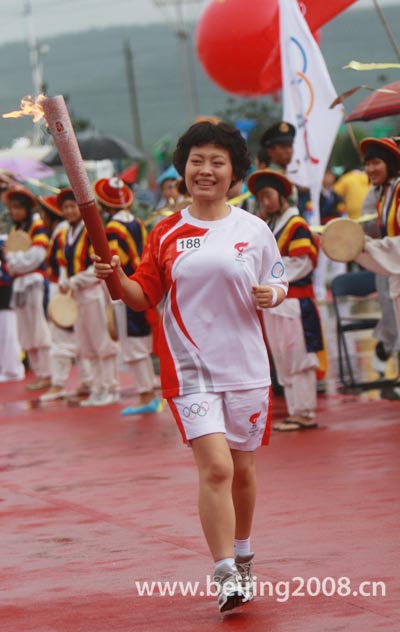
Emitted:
<point x="233" y="40"/>
<point x="238" y="42"/>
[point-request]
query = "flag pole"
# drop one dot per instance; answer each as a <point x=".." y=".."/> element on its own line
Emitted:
<point x="387" y="29"/>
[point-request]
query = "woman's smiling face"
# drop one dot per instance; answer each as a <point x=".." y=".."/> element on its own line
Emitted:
<point x="208" y="172"/>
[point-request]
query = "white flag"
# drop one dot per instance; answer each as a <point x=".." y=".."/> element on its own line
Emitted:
<point x="307" y="93"/>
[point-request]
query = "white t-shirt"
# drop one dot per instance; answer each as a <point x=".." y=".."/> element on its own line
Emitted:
<point x="211" y="337"/>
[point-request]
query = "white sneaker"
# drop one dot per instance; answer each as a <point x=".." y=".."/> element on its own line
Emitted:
<point x="52" y="396"/>
<point x="109" y="398"/>
<point x="244" y="565"/>
<point x="230" y="591"/>
<point x="95" y="399"/>
<point x="100" y="399"/>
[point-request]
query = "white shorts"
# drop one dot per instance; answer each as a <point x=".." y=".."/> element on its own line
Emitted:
<point x="242" y="416"/>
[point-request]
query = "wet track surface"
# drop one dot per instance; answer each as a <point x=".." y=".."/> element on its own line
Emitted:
<point x="92" y="502"/>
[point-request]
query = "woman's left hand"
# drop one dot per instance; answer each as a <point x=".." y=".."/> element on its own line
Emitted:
<point x="266" y="296"/>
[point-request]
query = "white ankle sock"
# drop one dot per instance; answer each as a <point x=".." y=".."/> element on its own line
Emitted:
<point x="242" y="547"/>
<point x="227" y="560"/>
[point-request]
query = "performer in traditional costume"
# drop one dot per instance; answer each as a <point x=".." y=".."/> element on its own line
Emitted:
<point x="276" y="153"/>
<point x="127" y="237"/>
<point x="293" y="328"/>
<point x="27" y="267"/>
<point x="92" y="337"/>
<point x="382" y="256"/>
<point x="63" y="348"/>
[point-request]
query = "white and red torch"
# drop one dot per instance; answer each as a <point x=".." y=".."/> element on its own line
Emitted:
<point x="55" y="111"/>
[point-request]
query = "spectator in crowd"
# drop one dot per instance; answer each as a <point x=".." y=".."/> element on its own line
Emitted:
<point x="353" y="187"/>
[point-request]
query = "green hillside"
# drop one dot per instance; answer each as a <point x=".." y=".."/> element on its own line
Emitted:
<point x="90" y="68"/>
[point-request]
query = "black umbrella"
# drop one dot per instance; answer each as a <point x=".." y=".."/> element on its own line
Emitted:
<point x="95" y="146"/>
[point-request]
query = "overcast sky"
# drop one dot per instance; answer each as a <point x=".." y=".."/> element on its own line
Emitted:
<point x="52" y="17"/>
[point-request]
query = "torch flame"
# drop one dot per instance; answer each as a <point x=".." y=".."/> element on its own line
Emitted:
<point x="29" y="107"/>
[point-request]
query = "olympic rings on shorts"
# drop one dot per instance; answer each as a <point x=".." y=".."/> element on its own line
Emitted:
<point x="199" y="410"/>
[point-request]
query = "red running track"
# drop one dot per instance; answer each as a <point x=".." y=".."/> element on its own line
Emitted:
<point x="92" y="502"/>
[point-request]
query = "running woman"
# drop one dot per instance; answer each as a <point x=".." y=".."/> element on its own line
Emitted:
<point x="218" y="267"/>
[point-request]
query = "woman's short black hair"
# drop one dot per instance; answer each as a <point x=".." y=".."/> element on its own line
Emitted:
<point x="220" y="134"/>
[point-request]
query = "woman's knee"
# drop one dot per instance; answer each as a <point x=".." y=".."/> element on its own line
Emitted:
<point x="217" y="472"/>
<point x="244" y="470"/>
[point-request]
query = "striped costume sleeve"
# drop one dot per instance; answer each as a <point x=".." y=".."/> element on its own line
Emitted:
<point x="38" y="235"/>
<point x="297" y="240"/>
<point x="127" y="240"/>
<point x="60" y="241"/>
<point x="117" y="236"/>
<point x="148" y="273"/>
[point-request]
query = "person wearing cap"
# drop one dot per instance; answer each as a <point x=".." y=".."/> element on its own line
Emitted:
<point x="167" y="182"/>
<point x="382" y="256"/>
<point x="127" y="236"/>
<point x="28" y="269"/>
<point x="278" y="140"/>
<point x="92" y="337"/>
<point x="170" y="200"/>
<point x="63" y="347"/>
<point x="293" y="329"/>
<point x="276" y="153"/>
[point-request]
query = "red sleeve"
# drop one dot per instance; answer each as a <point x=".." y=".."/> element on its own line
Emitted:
<point x="148" y="273"/>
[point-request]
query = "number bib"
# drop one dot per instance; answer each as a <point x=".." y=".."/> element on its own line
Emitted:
<point x="189" y="243"/>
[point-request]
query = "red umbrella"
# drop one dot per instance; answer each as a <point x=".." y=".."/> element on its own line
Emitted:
<point x="382" y="102"/>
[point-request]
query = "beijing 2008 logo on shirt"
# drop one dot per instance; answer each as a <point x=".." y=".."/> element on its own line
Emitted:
<point x="240" y="247"/>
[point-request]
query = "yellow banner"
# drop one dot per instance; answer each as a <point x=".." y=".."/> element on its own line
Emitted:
<point x="356" y="65"/>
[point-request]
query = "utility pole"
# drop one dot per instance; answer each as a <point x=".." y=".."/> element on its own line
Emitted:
<point x="36" y="67"/>
<point x="133" y="96"/>
<point x="186" y="53"/>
